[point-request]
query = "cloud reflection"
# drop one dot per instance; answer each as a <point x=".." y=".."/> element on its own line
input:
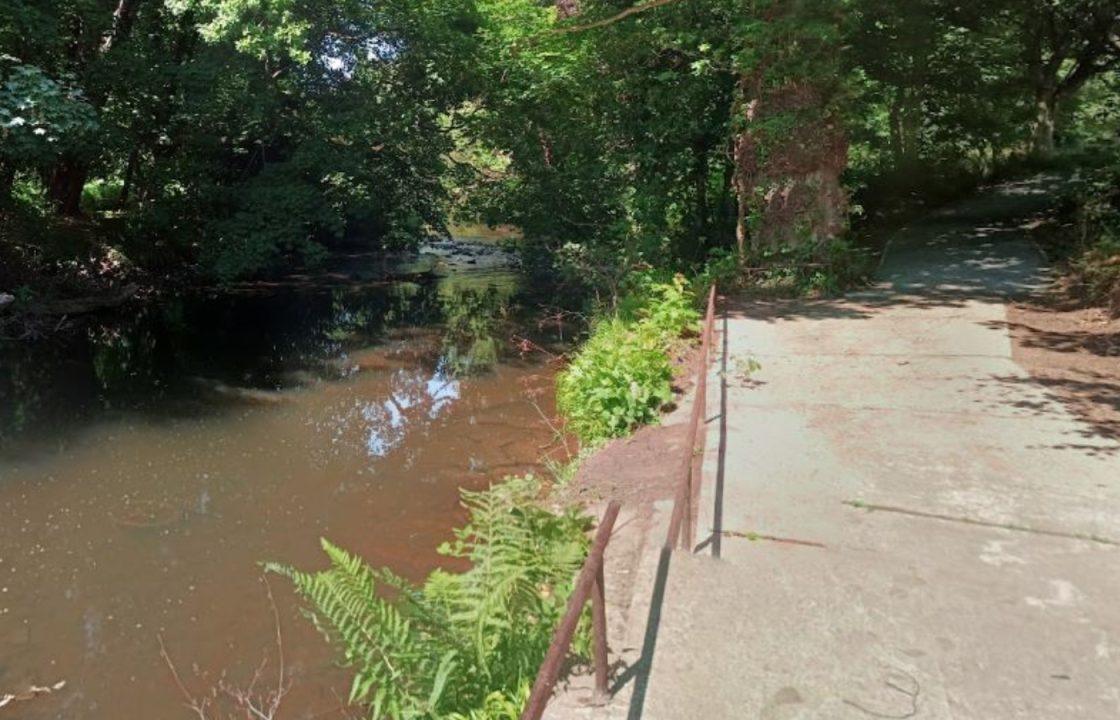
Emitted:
<point x="415" y="398"/>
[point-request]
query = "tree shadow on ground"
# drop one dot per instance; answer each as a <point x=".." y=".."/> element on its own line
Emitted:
<point x="1096" y="401"/>
<point x="1099" y="344"/>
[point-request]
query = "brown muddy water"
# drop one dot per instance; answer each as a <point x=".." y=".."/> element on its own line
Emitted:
<point x="149" y="463"/>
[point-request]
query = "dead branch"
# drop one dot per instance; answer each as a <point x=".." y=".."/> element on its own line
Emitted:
<point x="251" y="704"/>
<point x="198" y="707"/>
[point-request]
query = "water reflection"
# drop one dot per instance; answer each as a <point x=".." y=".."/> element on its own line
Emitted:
<point x="415" y="398"/>
<point x="191" y="354"/>
<point x="471" y="321"/>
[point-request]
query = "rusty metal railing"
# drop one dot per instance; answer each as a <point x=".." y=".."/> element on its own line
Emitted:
<point x="590" y="581"/>
<point x="589" y="585"/>
<point x="681" y="530"/>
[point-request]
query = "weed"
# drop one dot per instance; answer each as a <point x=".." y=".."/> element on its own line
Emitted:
<point x="622" y="377"/>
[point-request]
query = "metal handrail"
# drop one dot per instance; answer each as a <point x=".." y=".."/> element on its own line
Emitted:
<point x="681" y="530"/>
<point x="590" y="581"/>
<point x="589" y="584"/>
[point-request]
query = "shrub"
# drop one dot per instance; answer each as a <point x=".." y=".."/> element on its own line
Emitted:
<point x="618" y="380"/>
<point x="99" y="195"/>
<point x="622" y="377"/>
<point x="464" y="646"/>
<point x="1096" y="260"/>
<point x="668" y="309"/>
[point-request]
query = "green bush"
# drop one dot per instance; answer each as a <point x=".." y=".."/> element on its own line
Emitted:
<point x="1096" y="260"/>
<point x="618" y="380"/>
<point x="622" y="377"/>
<point x="464" y="646"/>
<point x="668" y="308"/>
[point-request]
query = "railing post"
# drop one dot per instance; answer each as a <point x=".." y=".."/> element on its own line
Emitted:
<point x="599" y="634"/>
<point x="686" y="519"/>
<point x="562" y="638"/>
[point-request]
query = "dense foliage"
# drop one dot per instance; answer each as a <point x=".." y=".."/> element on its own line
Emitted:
<point x="622" y="376"/>
<point x="464" y="645"/>
<point x="1086" y="239"/>
<point x="248" y="135"/>
<point x="239" y="133"/>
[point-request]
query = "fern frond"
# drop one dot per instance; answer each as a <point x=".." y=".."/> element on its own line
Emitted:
<point x="464" y="645"/>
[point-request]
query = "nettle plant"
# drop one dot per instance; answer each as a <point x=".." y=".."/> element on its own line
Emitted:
<point x="622" y="377"/>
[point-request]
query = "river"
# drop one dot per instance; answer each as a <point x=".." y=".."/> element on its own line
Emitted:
<point x="151" y="460"/>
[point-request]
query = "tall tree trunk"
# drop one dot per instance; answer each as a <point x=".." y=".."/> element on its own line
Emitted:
<point x="745" y="169"/>
<point x="1042" y="134"/>
<point x="725" y="216"/>
<point x="123" y="18"/>
<point x="894" y="123"/>
<point x="69" y="175"/>
<point x="793" y="189"/>
<point x="911" y="127"/>
<point x="65" y="186"/>
<point x="905" y="127"/>
<point x="129" y="176"/>
<point x="7" y="180"/>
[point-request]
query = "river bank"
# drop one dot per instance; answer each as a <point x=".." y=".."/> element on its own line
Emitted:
<point x="40" y="298"/>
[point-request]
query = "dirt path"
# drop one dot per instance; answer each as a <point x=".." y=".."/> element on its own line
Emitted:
<point x="955" y="527"/>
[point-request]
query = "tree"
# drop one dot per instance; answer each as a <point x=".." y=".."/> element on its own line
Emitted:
<point x="791" y="145"/>
<point x="40" y="118"/>
<point x="1067" y="43"/>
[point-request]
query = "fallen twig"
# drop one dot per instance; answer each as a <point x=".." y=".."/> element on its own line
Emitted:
<point x="253" y="705"/>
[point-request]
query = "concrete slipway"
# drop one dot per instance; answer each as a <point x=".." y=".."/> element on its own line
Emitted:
<point x="909" y="527"/>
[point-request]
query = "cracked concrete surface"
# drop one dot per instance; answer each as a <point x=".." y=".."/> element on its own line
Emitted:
<point x="902" y="396"/>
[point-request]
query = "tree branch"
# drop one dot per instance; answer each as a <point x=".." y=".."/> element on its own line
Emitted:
<point x="653" y="4"/>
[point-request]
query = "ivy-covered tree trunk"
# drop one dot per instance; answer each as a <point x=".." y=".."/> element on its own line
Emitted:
<point x="789" y="182"/>
<point x="791" y="146"/>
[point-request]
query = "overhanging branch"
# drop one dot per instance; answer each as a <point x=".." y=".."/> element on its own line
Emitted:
<point x="653" y="4"/>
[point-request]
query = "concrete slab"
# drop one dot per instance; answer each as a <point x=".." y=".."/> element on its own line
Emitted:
<point x="913" y="527"/>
